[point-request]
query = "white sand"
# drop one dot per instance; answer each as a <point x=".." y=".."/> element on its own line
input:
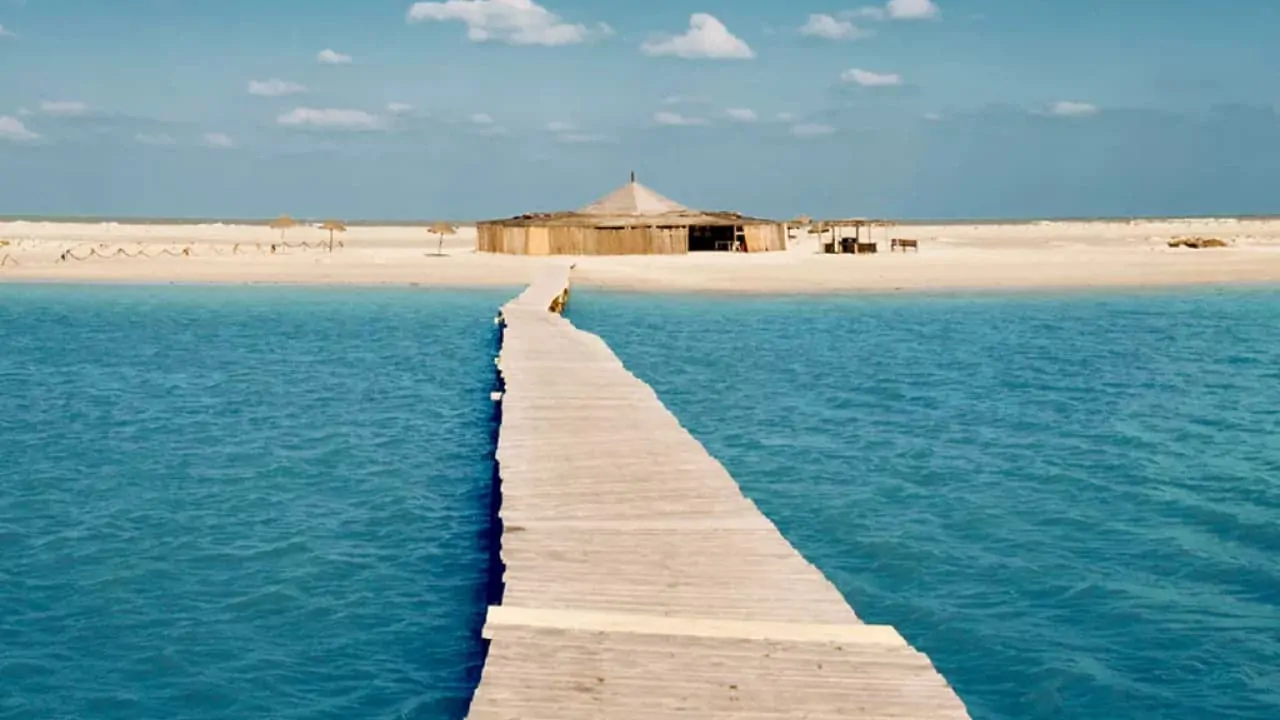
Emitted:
<point x="1038" y="255"/>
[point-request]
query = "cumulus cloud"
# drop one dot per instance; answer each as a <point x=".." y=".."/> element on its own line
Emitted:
<point x="64" y="108"/>
<point x="482" y="119"/>
<point x="830" y="28"/>
<point x="786" y="116"/>
<point x="868" y="13"/>
<point x="155" y="139"/>
<point x="329" y="118"/>
<point x="1067" y="108"/>
<point x="514" y="22"/>
<point x="912" y="9"/>
<point x="706" y="38"/>
<point x="866" y="78"/>
<point x="12" y="129"/>
<point x="399" y="108"/>
<point x="217" y="140"/>
<point x="742" y="114"/>
<point x="332" y="57"/>
<point x="811" y="129"/>
<point x="274" y="87"/>
<point x="896" y="10"/>
<point x="670" y="118"/>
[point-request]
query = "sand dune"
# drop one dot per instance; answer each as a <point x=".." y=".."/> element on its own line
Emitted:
<point x="1030" y="255"/>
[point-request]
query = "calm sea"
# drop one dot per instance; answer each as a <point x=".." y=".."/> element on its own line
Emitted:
<point x="243" y="502"/>
<point x="268" y="502"/>
<point x="1072" y="504"/>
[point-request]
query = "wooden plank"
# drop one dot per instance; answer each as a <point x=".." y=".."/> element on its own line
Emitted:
<point x="639" y="581"/>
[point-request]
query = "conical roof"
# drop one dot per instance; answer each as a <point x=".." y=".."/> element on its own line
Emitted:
<point x="633" y="199"/>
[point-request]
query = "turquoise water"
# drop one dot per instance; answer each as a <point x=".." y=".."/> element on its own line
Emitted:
<point x="267" y="502"/>
<point x="1072" y="504"/>
<point x="242" y="502"/>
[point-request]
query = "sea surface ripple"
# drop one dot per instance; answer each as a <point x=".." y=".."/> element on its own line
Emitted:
<point x="1071" y="503"/>
<point x="243" y="502"/>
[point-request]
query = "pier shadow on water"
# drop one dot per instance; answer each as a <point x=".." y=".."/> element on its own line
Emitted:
<point x="492" y="535"/>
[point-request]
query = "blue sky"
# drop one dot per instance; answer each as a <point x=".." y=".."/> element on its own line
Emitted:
<point x="476" y="108"/>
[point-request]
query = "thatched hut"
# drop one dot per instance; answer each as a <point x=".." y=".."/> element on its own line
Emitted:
<point x="632" y="220"/>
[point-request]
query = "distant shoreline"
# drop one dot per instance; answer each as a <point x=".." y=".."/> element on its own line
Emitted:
<point x="191" y="221"/>
<point x="972" y="256"/>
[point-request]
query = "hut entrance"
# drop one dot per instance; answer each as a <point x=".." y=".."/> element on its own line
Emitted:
<point x="711" y="238"/>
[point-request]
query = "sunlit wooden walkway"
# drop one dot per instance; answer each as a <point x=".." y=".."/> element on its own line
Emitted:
<point x="640" y="582"/>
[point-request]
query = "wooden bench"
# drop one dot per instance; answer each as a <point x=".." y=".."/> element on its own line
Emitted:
<point x="864" y="247"/>
<point x="904" y="243"/>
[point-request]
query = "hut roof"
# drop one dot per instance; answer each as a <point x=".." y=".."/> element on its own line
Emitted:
<point x="632" y="205"/>
<point x="633" y="199"/>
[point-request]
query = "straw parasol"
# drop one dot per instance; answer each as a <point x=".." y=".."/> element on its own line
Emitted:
<point x="440" y="229"/>
<point x="333" y="226"/>
<point x="282" y="223"/>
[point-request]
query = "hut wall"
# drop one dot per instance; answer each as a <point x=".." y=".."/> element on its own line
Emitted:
<point x="765" y="238"/>
<point x="583" y="240"/>
<point x="538" y="241"/>
<point x="579" y="240"/>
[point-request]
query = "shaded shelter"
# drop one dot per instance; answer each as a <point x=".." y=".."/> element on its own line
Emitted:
<point x="440" y="229"/>
<point x="863" y="239"/>
<point x="282" y="223"/>
<point x="632" y="220"/>
<point x="333" y="226"/>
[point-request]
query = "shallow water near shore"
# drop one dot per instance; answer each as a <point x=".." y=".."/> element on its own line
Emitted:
<point x="229" y="502"/>
<point x="1071" y="503"/>
<point x="223" y="502"/>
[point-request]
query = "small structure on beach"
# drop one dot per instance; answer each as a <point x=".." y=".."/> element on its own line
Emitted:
<point x="632" y="220"/>
<point x="859" y="243"/>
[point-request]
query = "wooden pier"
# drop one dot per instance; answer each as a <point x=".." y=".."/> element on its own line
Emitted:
<point x="639" y="581"/>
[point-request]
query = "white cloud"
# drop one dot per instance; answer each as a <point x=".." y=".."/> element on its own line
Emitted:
<point x="811" y="129"/>
<point x="217" y="140"/>
<point x="332" y="57"/>
<point x="330" y="118"/>
<point x="577" y="138"/>
<point x="559" y="126"/>
<point x="64" y="108"/>
<point x="1066" y="108"/>
<point x="786" y="116"/>
<point x="670" y="118"/>
<point x="399" y="108"/>
<point x="11" y="128"/>
<point x="932" y="116"/>
<point x="707" y="37"/>
<point x="6" y="33"/>
<point x="514" y="22"/>
<point x="866" y="78"/>
<point x="912" y="9"/>
<point x="274" y="87"/>
<point x="150" y="139"/>
<point x="482" y="119"/>
<point x="742" y="114"/>
<point x="868" y="13"/>
<point x="828" y="27"/>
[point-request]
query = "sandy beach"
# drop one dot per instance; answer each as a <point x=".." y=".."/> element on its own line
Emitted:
<point x="951" y="257"/>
